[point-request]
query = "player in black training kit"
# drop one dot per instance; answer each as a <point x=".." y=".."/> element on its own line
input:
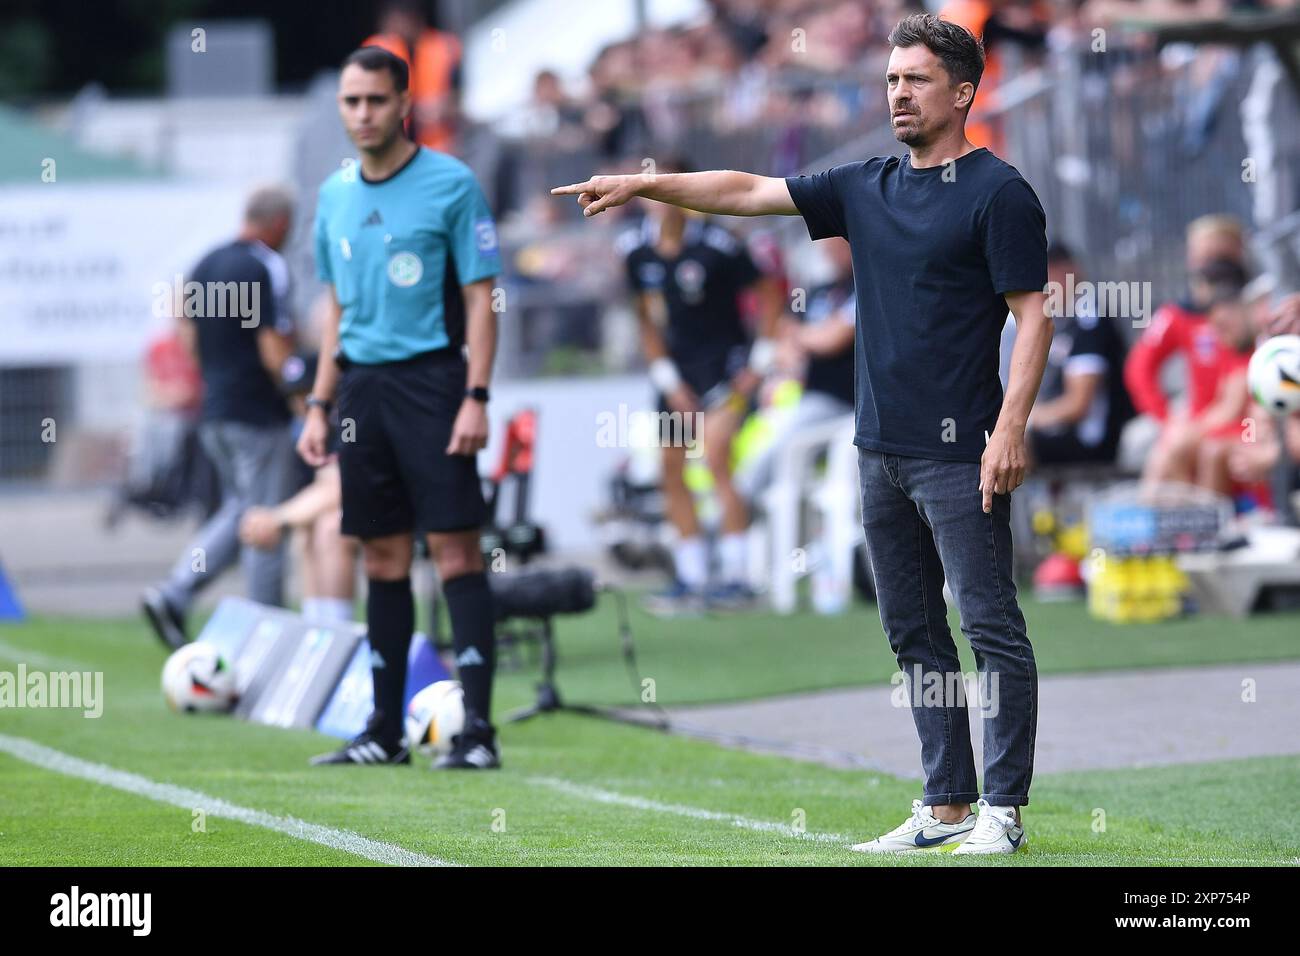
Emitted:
<point x="687" y="275"/>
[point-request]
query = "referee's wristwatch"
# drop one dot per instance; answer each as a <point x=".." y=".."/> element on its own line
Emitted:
<point x="478" y="393"/>
<point x="324" y="404"/>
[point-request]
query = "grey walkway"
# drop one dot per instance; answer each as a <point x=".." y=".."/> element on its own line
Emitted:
<point x="1108" y="720"/>
<point x="62" y="560"/>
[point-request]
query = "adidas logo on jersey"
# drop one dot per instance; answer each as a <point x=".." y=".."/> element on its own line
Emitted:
<point x="374" y="219"/>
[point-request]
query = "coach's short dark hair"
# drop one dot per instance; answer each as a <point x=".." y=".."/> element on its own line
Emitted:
<point x="961" y="52"/>
<point x="373" y="58"/>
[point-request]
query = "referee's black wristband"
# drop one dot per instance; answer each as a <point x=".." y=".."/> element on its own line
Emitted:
<point x="478" y="393"/>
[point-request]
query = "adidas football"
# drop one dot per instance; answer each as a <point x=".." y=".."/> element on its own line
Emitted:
<point x="1274" y="374"/>
<point x="434" y="716"/>
<point x="198" y="678"/>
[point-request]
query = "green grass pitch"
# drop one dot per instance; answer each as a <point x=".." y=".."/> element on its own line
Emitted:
<point x="578" y="791"/>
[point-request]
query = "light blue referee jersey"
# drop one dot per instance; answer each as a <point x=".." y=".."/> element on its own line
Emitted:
<point x="398" y="251"/>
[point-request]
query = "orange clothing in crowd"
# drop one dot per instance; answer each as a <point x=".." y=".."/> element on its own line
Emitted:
<point x="433" y="67"/>
<point x="980" y="130"/>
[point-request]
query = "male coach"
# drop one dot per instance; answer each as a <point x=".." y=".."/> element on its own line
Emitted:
<point x="944" y="239"/>
<point x="409" y="249"/>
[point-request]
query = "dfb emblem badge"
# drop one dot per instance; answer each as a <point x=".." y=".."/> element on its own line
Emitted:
<point x="405" y="269"/>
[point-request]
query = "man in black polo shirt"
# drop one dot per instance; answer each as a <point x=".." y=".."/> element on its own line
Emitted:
<point x="945" y="239"/>
<point x="234" y="316"/>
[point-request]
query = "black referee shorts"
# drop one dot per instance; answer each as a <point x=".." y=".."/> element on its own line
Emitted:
<point x="396" y="421"/>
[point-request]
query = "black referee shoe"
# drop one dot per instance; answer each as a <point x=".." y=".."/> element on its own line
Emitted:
<point x="368" y="748"/>
<point x="475" y="748"/>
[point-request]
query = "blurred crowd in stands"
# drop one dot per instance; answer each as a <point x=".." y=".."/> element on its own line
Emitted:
<point x="818" y="62"/>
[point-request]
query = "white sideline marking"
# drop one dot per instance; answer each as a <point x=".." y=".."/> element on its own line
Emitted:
<point x="695" y="813"/>
<point x="187" y="799"/>
<point x="763" y="826"/>
<point x="22" y="655"/>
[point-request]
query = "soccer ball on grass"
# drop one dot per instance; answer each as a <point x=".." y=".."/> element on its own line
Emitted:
<point x="198" y="678"/>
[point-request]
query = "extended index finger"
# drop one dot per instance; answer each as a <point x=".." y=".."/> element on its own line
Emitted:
<point x="987" y="478"/>
<point x="572" y="189"/>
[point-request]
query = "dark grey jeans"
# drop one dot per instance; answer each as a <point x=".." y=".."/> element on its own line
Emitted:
<point x="256" y="465"/>
<point x="924" y="521"/>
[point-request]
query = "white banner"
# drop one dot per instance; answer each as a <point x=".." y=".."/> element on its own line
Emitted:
<point x="79" y="263"/>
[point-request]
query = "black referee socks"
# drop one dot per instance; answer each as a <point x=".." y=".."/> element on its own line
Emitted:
<point x="390" y="617"/>
<point x="469" y="604"/>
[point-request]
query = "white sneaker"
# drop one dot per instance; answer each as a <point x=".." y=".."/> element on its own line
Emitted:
<point x="921" y="831"/>
<point x="996" y="831"/>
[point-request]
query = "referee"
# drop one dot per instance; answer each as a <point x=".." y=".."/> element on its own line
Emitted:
<point x="944" y="240"/>
<point x="408" y="248"/>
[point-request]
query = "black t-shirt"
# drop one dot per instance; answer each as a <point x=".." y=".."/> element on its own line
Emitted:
<point x="933" y="251"/>
<point x="701" y="287"/>
<point x="831" y="374"/>
<point x="236" y="385"/>
<point x="1086" y="344"/>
